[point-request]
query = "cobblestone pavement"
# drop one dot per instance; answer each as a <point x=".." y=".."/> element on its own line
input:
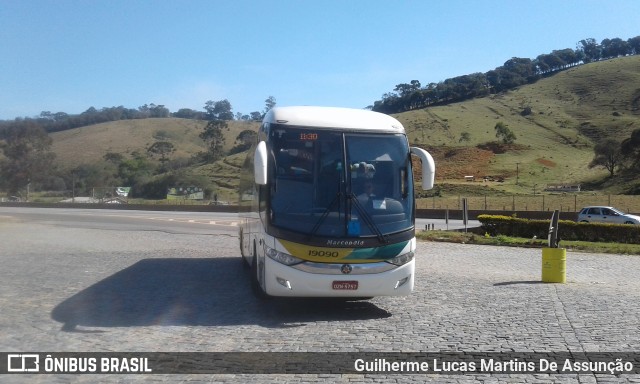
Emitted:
<point x="66" y="288"/>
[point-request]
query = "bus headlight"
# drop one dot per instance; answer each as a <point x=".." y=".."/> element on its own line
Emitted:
<point x="401" y="259"/>
<point x="281" y="257"/>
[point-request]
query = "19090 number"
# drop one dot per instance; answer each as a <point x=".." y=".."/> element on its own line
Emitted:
<point x="317" y="253"/>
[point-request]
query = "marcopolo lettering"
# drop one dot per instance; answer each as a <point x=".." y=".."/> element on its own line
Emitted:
<point x="345" y="243"/>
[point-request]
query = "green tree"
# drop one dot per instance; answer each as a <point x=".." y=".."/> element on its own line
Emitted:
<point x="631" y="148"/>
<point x="614" y="47"/>
<point x="187" y="113"/>
<point x="567" y="55"/>
<point x="134" y="171"/>
<point x="504" y="133"/>
<point x="218" y="110"/>
<point x="27" y="155"/>
<point x="113" y="157"/>
<point x="634" y="45"/>
<point x="162" y="149"/>
<point x="591" y="49"/>
<point x="246" y="138"/>
<point x="405" y="89"/>
<point x="86" y="178"/>
<point x="608" y="154"/>
<point x="244" y="141"/>
<point x="213" y="137"/>
<point x="269" y="103"/>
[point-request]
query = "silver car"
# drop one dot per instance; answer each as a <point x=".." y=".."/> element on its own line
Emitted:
<point x="600" y="214"/>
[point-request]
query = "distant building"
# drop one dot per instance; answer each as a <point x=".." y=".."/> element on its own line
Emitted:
<point x="563" y="188"/>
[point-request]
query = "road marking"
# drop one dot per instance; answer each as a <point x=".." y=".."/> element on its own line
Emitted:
<point x="222" y="222"/>
<point x="229" y="222"/>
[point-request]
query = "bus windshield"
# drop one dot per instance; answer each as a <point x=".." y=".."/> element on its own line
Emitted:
<point x="340" y="184"/>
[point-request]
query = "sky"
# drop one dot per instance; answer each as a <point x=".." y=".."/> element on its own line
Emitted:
<point x="68" y="56"/>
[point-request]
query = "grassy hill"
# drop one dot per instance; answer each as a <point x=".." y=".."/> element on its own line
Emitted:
<point x="557" y="120"/>
<point x="568" y="113"/>
<point x="88" y="145"/>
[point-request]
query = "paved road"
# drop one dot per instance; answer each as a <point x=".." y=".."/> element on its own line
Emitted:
<point x="101" y="281"/>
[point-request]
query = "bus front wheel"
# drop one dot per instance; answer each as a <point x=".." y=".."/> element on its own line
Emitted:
<point x="255" y="278"/>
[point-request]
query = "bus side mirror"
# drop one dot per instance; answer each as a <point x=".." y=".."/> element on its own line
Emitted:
<point x="260" y="164"/>
<point x="428" y="167"/>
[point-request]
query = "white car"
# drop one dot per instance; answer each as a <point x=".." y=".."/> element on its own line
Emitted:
<point x="599" y="214"/>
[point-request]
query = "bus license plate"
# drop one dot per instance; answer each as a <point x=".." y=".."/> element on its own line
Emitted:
<point x="345" y="285"/>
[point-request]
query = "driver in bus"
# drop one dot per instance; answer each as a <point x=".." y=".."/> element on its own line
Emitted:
<point x="367" y="194"/>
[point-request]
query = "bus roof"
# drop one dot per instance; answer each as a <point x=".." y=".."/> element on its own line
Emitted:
<point x="333" y="117"/>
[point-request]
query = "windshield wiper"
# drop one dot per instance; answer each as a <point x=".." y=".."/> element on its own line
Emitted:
<point x="325" y="213"/>
<point x="367" y="218"/>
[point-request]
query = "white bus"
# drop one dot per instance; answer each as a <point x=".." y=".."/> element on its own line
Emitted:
<point x="327" y="204"/>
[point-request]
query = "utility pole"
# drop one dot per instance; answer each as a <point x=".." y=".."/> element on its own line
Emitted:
<point x="517" y="173"/>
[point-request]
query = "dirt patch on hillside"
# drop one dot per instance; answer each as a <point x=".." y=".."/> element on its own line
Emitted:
<point x="546" y="162"/>
<point x="458" y="162"/>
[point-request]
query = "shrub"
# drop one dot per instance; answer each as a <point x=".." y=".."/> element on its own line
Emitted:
<point x="496" y="225"/>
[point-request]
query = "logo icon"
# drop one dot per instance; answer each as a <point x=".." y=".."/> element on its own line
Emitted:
<point x="23" y="363"/>
<point x="346" y="269"/>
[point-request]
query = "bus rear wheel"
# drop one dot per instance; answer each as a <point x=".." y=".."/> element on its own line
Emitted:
<point x="245" y="263"/>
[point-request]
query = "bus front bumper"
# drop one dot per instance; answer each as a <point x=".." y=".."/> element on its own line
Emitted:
<point x="282" y="280"/>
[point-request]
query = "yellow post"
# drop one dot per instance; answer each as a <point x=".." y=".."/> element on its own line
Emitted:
<point x="554" y="265"/>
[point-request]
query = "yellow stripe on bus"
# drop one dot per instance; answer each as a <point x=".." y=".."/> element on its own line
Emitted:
<point x="333" y="255"/>
<point x="312" y="253"/>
